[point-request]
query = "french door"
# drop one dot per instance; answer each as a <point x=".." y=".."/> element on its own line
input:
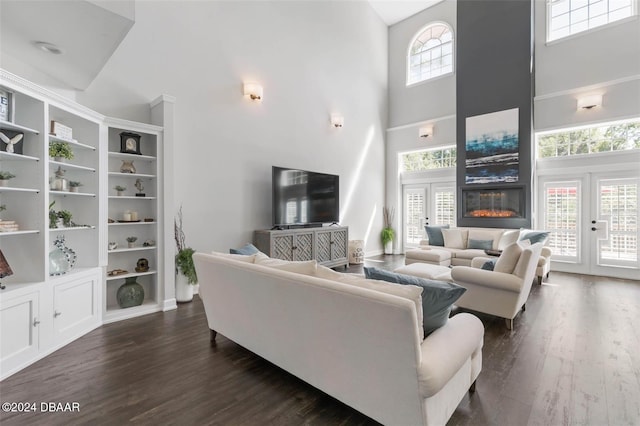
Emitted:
<point x="426" y="204"/>
<point x="593" y="219"/>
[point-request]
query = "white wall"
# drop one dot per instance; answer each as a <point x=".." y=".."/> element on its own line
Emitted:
<point x="312" y="58"/>
<point x="605" y="60"/>
<point x="432" y="102"/>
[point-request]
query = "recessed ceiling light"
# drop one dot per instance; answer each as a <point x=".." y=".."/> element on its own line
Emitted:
<point x="48" y="47"/>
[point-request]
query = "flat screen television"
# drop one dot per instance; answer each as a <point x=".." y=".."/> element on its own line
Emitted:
<point x="301" y="197"/>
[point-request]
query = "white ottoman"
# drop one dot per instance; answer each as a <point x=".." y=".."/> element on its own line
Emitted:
<point x="426" y="270"/>
<point x="428" y="255"/>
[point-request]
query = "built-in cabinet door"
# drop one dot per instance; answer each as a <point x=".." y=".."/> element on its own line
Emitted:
<point x="19" y="332"/>
<point x="75" y="307"/>
<point x="303" y="246"/>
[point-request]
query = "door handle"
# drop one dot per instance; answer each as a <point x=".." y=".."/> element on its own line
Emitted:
<point x="594" y="228"/>
<point x="57" y="314"/>
<point x="35" y="322"/>
<point x="593" y="221"/>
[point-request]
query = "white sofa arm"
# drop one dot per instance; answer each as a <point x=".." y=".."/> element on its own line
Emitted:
<point x="445" y="350"/>
<point x="545" y="252"/>
<point x="482" y="277"/>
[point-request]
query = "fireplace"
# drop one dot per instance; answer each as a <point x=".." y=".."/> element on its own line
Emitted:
<point x="498" y="203"/>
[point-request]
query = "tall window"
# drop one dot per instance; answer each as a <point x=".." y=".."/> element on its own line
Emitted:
<point x="567" y="17"/>
<point x="590" y="140"/>
<point x="429" y="159"/>
<point x="430" y="53"/>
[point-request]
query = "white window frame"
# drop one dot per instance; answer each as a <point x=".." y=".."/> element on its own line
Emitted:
<point x="413" y="40"/>
<point x="633" y="15"/>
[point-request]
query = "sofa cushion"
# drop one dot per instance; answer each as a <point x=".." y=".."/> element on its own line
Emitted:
<point x="493" y="235"/>
<point x="434" y="234"/>
<point x="534" y="236"/>
<point x="247" y="250"/>
<point x="241" y="257"/>
<point x="488" y="265"/>
<point x="509" y="258"/>
<point x="305" y="267"/>
<point x="437" y="296"/>
<point x="508" y="237"/>
<point x="468" y="253"/>
<point x="455" y="238"/>
<point x="479" y="244"/>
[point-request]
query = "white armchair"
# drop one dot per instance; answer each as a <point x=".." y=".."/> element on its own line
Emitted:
<point x="502" y="294"/>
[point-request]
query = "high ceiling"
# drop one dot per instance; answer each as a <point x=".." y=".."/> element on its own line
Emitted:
<point x="394" y="11"/>
<point x="99" y="26"/>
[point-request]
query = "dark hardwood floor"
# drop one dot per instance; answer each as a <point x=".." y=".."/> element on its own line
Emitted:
<point x="573" y="358"/>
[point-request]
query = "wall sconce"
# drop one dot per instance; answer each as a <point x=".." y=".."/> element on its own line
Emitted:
<point x="589" y="101"/>
<point x="337" y="120"/>
<point x="253" y="90"/>
<point x="426" y="131"/>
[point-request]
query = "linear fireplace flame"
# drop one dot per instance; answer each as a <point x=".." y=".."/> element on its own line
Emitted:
<point x="493" y="203"/>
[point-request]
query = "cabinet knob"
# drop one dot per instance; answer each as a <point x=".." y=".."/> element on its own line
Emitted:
<point x="294" y="248"/>
<point x="57" y="314"/>
<point x="35" y="322"/>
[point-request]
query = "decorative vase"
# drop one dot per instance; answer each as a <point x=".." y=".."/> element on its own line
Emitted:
<point x="120" y="193"/>
<point x="4" y="182"/>
<point x="388" y="248"/>
<point x="184" y="290"/>
<point x="127" y="167"/>
<point x="131" y="293"/>
<point x="59" y="159"/>
<point x="61" y="258"/>
<point x="131" y="245"/>
<point x="73" y="189"/>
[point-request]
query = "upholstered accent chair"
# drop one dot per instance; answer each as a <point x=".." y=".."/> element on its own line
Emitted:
<point x="502" y="292"/>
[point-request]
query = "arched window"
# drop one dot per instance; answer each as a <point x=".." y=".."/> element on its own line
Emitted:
<point x="430" y="53"/>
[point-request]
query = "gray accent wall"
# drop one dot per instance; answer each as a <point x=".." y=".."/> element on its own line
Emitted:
<point x="493" y="73"/>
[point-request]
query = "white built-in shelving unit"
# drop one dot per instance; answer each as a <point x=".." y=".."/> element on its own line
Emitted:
<point x="42" y="312"/>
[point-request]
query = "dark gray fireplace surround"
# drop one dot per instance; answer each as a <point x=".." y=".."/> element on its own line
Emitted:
<point x="493" y="73"/>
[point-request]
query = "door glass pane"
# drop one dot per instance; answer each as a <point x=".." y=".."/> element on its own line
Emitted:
<point x="561" y="210"/>
<point x="445" y="206"/>
<point x="414" y="213"/>
<point x="619" y="207"/>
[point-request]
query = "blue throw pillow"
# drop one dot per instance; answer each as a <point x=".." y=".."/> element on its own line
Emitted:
<point x="434" y="233"/>
<point x="534" y="236"/>
<point x="247" y="250"/>
<point x="437" y="296"/>
<point x="480" y="244"/>
<point x="489" y="265"/>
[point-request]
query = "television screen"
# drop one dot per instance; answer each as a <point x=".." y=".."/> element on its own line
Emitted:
<point x="301" y="197"/>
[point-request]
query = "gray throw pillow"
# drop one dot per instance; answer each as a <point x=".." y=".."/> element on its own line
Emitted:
<point x="480" y="244"/>
<point x="437" y="296"/>
<point x="247" y="250"/>
<point x="434" y="234"/>
<point x="489" y="265"/>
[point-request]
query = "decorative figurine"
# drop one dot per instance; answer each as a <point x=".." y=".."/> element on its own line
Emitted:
<point x="142" y="265"/>
<point x="11" y="141"/>
<point x="140" y="188"/>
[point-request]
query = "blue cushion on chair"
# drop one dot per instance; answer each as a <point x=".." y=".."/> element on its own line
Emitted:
<point x="489" y="265"/>
<point x="437" y="296"/>
<point x="534" y="236"/>
<point x="247" y="250"/>
<point x="434" y="233"/>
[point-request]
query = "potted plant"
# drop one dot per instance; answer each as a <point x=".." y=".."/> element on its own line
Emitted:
<point x="65" y="216"/>
<point x="186" y="276"/>
<point x="120" y="189"/>
<point x="388" y="234"/>
<point x="60" y="150"/>
<point x="74" y="185"/>
<point x="5" y="177"/>
<point x="131" y="241"/>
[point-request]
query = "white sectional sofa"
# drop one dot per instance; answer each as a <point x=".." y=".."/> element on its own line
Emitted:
<point x="456" y="251"/>
<point x="362" y="346"/>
